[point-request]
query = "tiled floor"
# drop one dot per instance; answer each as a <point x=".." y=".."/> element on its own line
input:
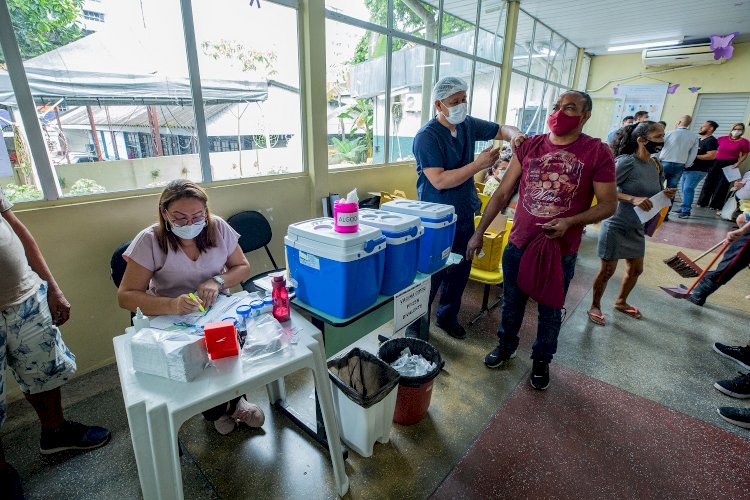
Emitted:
<point x="630" y="412"/>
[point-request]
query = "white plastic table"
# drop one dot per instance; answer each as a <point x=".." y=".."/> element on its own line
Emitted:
<point x="157" y="407"/>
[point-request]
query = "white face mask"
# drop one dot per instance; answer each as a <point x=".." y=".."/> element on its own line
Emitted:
<point x="457" y="113"/>
<point x="187" y="232"/>
<point x="736" y="133"/>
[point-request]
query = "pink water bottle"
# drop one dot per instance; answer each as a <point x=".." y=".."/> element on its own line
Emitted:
<point x="280" y="299"/>
<point x="345" y="216"/>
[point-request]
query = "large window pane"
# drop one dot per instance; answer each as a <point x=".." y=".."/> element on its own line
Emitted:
<point x="113" y="96"/>
<point x="459" y="27"/>
<point x="571" y="54"/>
<point x="541" y="50"/>
<point x="249" y="62"/>
<point x="412" y="77"/>
<point x="492" y="30"/>
<point x="416" y="18"/>
<point x="18" y="177"/>
<point x="484" y="97"/>
<point x="556" y="59"/>
<point x="355" y="90"/>
<point x="374" y="11"/>
<point x="524" y="39"/>
<point x="516" y="97"/>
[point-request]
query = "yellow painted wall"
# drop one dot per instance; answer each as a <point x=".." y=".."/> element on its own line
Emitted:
<point x="729" y="77"/>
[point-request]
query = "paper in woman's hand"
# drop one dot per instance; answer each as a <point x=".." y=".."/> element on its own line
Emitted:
<point x="732" y="173"/>
<point x="658" y="201"/>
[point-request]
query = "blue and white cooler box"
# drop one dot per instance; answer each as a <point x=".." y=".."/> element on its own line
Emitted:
<point x="402" y="233"/>
<point x="338" y="273"/>
<point x="439" y="222"/>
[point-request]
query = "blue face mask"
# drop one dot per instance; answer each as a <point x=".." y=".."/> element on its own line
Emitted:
<point x="188" y="232"/>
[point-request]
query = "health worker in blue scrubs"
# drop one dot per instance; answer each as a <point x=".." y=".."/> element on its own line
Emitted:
<point x="444" y="150"/>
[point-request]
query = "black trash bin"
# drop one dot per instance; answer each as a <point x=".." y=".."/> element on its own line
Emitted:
<point x="364" y="398"/>
<point x="414" y="393"/>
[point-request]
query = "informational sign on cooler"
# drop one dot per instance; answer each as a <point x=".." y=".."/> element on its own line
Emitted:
<point x="410" y="304"/>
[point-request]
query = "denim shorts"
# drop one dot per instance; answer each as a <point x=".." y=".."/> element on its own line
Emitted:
<point x="33" y="348"/>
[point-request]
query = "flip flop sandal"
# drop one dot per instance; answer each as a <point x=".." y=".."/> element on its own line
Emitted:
<point x="597" y="319"/>
<point x="631" y="311"/>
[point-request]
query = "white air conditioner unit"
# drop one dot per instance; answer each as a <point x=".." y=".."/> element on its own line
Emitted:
<point x="679" y="55"/>
<point x="411" y="104"/>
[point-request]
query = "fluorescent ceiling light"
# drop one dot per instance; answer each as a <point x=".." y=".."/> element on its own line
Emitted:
<point x="645" y="45"/>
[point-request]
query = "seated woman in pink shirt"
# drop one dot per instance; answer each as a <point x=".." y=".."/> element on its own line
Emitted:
<point x="187" y="251"/>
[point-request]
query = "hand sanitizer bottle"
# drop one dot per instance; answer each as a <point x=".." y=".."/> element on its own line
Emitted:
<point x="139" y="320"/>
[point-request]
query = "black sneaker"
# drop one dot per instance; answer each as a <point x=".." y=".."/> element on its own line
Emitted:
<point x="683" y="216"/>
<point x="738" y="387"/>
<point x="452" y="328"/>
<point x="73" y="436"/>
<point x="540" y="375"/>
<point x="740" y="354"/>
<point x="10" y="484"/>
<point x="736" y="416"/>
<point x="498" y="356"/>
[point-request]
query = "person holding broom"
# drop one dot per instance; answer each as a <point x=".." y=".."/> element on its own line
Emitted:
<point x="622" y="236"/>
<point x="735" y="259"/>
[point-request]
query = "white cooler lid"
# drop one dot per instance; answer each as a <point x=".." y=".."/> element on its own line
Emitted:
<point x="321" y="231"/>
<point x="391" y="222"/>
<point x="423" y="209"/>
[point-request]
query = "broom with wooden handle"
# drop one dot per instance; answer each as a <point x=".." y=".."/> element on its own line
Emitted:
<point x="688" y="268"/>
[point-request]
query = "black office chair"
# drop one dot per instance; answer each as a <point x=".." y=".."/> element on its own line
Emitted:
<point x="117" y="264"/>
<point x="255" y="232"/>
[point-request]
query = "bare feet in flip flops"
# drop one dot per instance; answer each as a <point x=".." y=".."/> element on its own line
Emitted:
<point x="596" y="316"/>
<point x="629" y="310"/>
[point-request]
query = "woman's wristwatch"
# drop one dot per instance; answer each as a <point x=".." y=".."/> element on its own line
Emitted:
<point x="219" y="280"/>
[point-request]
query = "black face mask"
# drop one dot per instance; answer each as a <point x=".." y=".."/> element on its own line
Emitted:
<point x="653" y="147"/>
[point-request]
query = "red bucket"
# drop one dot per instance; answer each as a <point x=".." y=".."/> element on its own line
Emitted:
<point x="412" y="403"/>
<point x="414" y="393"/>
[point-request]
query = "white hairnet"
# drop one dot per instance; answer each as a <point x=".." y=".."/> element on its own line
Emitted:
<point x="447" y="86"/>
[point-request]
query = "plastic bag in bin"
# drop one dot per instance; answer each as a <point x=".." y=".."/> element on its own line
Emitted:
<point x="363" y="377"/>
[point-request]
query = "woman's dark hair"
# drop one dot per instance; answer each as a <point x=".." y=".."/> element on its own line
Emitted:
<point x="177" y="190"/>
<point x="625" y="140"/>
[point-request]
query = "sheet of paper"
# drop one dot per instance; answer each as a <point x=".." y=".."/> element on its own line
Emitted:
<point x="659" y="201"/>
<point x="223" y="307"/>
<point x="732" y="174"/>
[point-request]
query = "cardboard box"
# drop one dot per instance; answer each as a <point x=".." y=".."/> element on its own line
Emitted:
<point x="493" y="252"/>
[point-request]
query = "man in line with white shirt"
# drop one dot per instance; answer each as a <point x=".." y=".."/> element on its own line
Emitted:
<point x="680" y="149"/>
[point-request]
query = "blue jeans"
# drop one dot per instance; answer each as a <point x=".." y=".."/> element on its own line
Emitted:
<point x="672" y="173"/>
<point x="690" y="179"/>
<point x="514" y="306"/>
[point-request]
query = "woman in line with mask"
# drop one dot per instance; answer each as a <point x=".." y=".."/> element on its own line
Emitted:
<point x="733" y="151"/>
<point x="188" y="250"/>
<point x="622" y="236"/>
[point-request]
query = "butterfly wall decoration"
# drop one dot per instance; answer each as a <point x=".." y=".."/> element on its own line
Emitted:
<point x="694" y="89"/>
<point x="721" y="45"/>
<point x="672" y="88"/>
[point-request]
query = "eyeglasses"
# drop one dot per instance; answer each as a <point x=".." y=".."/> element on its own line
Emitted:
<point x="183" y="221"/>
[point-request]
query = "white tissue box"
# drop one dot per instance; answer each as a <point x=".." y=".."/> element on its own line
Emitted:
<point x="175" y="355"/>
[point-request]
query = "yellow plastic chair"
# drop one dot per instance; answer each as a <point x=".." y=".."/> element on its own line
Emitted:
<point x="479" y="186"/>
<point x="490" y="278"/>
<point x="484" y="199"/>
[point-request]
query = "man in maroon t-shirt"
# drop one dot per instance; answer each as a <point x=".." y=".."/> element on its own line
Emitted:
<point x="559" y="173"/>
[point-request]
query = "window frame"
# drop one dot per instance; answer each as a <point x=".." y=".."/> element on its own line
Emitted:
<point x="52" y="192"/>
